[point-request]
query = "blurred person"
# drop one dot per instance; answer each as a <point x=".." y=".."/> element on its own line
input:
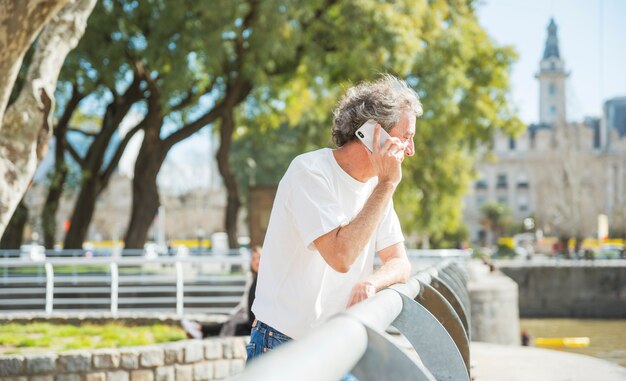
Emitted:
<point x="241" y="318"/>
<point x="333" y="212"/>
<point x="255" y="256"/>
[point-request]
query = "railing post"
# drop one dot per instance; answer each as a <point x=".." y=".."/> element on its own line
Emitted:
<point x="179" y="288"/>
<point x="114" y="287"/>
<point x="5" y="278"/>
<point x="49" y="287"/>
<point x="74" y="276"/>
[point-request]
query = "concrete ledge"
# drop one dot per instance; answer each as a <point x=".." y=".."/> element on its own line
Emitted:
<point x="494" y="306"/>
<point x="492" y="362"/>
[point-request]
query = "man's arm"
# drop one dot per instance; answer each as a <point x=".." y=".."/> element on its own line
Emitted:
<point x="341" y="247"/>
<point x="396" y="268"/>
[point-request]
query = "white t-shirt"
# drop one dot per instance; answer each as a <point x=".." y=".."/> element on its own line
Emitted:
<point x="296" y="288"/>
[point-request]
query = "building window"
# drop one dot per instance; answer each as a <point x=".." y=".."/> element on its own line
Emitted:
<point x="512" y="143"/>
<point x="480" y="200"/>
<point x="481" y="184"/>
<point x="522" y="203"/>
<point x="522" y="181"/>
<point x="503" y="200"/>
<point x="552" y="110"/>
<point x="501" y="182"/>
<point x="551" y="89"/>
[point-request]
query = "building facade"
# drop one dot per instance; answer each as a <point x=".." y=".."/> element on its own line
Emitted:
<point x="561" y="174"/>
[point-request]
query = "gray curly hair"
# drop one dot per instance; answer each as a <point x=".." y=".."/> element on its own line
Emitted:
<point x="383" y="100"/>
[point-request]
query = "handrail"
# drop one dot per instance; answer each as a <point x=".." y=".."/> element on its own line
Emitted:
<point x="356" y="342"/>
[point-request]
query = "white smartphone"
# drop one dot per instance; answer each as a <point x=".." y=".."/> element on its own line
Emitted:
<point x="365" y="133"/>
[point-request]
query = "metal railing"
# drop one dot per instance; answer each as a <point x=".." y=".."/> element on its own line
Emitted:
<point x="182" y="281"/>
<point x="417" y="331"/>
<point x="70" y="281"/>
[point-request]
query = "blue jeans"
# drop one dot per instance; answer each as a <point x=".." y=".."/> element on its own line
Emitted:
<point x="264" y="338"/>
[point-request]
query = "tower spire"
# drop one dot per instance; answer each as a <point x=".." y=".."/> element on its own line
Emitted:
<point x="552" y="42"/>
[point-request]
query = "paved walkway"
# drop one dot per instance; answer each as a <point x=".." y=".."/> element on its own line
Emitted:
<point x="492" y="362"/>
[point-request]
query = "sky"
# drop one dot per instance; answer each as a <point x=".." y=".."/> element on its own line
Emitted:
<point x="592" y="42"/>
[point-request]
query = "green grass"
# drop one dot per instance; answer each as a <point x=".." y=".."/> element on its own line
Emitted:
<point x="40" y="337"/>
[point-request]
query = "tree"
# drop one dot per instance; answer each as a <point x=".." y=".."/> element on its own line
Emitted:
<point x="96" y="167"/>
<point x="14" y="232"/>
<point x="25" y="125"/>
<point x="254" y="53"/>
<point x="496" y="217"/>
<point x="462" y="77"/>
<point x="193" y="81"/>
<point x="564" y="183"/>
<point x="60" y="171"/>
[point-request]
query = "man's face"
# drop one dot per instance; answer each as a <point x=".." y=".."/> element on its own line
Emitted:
<point x="405" y="131"/>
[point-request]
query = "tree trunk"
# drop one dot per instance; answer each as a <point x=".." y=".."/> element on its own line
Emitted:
<point x="81" y="218"/>
<point x="25" y="127"/>
<point x="57" y="183"/>
<point x="578" y="244"/>
<point x="564" y="241"/>
<point x="97" y="177"/>
<point x="20" y="23"/>
<point x="12" y="237"/>
<point x="48" y="216"/>
<point x="145" y="192"/>
<point x="232" y="208"/>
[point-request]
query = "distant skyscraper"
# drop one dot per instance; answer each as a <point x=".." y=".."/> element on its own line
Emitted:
<point x="552" y="76"/>
<point x="615" y="116"/>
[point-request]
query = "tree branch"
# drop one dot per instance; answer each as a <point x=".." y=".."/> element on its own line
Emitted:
<point x="291" y="64"/>
<point x="70" y="107"/>
<point x="193" y="127"/>
<point x="85" y="133"/>
<point x="106" y="175"/>
<point x="235" y="91"/>
<point x="192" y="96"/>
<point x="75" y="155"/>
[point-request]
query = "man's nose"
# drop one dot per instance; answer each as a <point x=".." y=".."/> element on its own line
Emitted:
<point x="410" y="148"/>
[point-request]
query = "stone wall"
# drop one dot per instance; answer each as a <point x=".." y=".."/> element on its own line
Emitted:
<point x="189" y="360"/>
<point x="581" y="289"/>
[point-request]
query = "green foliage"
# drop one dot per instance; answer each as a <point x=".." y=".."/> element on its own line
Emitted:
<point x="45" y="336"/>
<point x="441" y="50"/>
<point x="298" y="57"/>
<point x="496" y="217"/>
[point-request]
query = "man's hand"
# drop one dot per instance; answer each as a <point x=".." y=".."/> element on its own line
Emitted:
<point x="361" y="291"/>
<point x="388" y="158"/>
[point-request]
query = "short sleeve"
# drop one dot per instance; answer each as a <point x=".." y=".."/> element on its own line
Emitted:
<point x="389" y="231"/>
<point x="314" y="206"/>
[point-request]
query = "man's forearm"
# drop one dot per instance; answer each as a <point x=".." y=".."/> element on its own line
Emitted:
<point x="395" y="270"/>
<point x="353" y="237"/>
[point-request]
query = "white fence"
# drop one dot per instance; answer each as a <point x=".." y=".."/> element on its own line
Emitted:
<point x="35" y="280"/>
<point x="82" y="281"/>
